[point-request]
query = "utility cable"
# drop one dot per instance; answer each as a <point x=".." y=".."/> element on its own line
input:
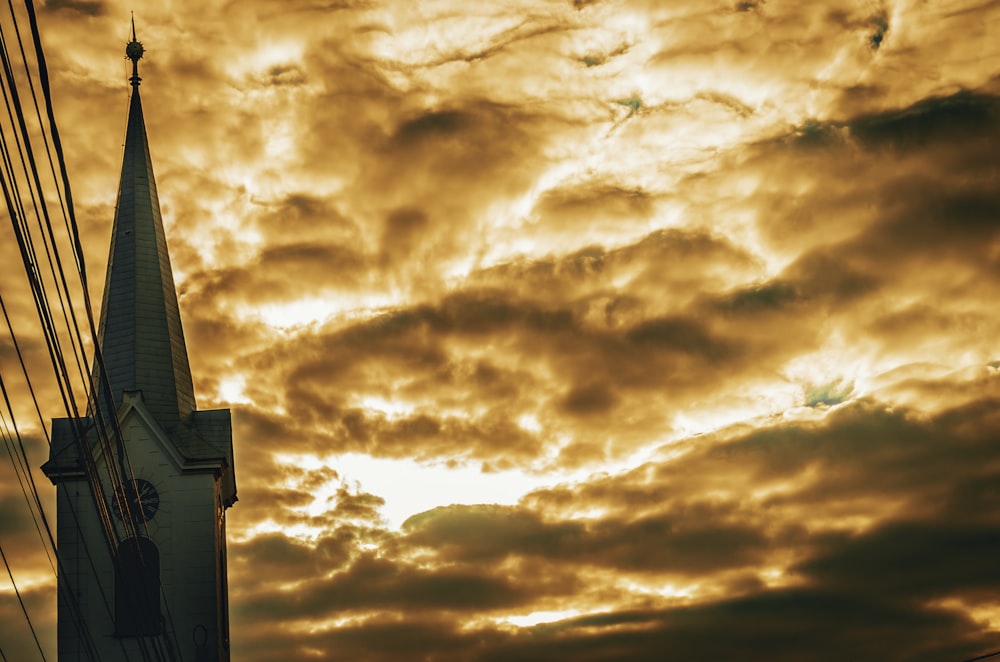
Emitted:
<point x="15" y="208"/>
<point x="118" y="486"/>
<point x="21" y="601"/>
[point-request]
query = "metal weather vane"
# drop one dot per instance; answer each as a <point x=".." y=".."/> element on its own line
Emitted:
<point x="134" y="51"/>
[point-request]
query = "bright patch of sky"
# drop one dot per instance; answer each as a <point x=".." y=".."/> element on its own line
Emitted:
<point x="410" y="487"/>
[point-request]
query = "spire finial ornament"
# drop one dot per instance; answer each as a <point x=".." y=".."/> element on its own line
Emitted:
<point x="134" y="51"/>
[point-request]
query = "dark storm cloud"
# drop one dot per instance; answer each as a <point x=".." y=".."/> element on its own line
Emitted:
<point x="914" y="561"/>
<point x="274" y="555"/>
<point x="672" y="334"/>
<point x="21" y="541"/>
<point x="373" y="583"/>
<point x="589" y="399"/>
<point x="208" y="333"/>
<point x="592" y="202"/>
<point x="303" y="217"/>
<point x="790" y="485"/>
<point x="788" y="625"/>
<point x="87" y="7"/>
<point x="604" y="338"/>
<point x="783" y="625"/>
<point x="967" y="117"/>
<point x="419" y="228"/>
<point x="927" y="482"/>
<point x="830" y="278"/>
<point x="430" y="344"/>
<point x="941" y="222"/>
<point x="853" y="256"/>
<point x="280" y="269"/>
<point x="658" y="272"/>
<point x="387" y="637"/>
<point x="678" y="543"/>
<point x="310" y="247"/>
<point x="427" y="438"/>
<point x="560" y="241"/>
<point x="18" y="641"/>
<point x="476" y="144"/>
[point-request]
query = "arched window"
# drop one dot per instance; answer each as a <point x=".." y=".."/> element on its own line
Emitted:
<point x="137" y="588"/>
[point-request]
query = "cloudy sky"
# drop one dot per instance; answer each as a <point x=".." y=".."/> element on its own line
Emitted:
<point x="565" y="329"/>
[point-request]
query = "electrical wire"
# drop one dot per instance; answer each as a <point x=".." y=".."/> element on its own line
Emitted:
<point x="982" y="657"/>
<point x="70" y="364"/>
<point x="115" y="474"/>
<point x="18" y="219"/>
<point x="21" y="602"/>
<point x="75" y="611"/>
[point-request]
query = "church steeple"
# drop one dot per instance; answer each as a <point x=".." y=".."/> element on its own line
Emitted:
<point x="140" y="332"/>
<point x="141" y="517"/>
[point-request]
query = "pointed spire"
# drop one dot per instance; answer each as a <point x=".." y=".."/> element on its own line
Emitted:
<point x="140" y="334"/>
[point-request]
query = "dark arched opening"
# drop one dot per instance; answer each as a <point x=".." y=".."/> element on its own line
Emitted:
<point x="137" y="588"/>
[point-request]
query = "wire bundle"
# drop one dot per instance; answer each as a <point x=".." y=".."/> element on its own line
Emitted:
<point x="57" y="293"/>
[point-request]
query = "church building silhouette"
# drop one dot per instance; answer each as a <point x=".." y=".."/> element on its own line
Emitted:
<point x="143" y="481"/>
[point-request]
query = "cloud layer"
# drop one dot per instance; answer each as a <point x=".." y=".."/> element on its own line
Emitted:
<point x="709" y="287"/>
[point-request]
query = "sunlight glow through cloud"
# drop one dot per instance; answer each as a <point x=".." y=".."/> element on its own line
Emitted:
<point x="539" y="617"/>
<point x="232" y="389"/>
<point x="290" y="315"/>
<point x="410" y="487"/>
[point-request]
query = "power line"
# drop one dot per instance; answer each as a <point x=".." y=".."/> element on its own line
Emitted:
<point x="99" y="428"/>
<point x="21" y="602"/>
<point x="30" y="258"/>
<point x="75" y="611"/>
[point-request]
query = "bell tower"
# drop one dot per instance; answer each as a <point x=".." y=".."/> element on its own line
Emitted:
<point x="143" y="482"/>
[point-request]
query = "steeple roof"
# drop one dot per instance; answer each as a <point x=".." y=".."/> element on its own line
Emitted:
<point x="141" y="338"/>
<point x="140" y="332"/>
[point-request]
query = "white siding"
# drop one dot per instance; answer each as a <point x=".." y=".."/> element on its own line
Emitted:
<point x="186" y="530"/>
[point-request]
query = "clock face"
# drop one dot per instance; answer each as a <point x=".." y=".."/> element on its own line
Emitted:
<point x="143" y="501"/>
